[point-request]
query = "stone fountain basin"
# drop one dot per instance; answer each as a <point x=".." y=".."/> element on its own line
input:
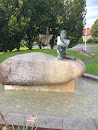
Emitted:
<point x="39" y="69"/>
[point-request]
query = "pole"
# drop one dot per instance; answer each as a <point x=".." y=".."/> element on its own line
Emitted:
<point x="86" y="31"/>
<point x="85" y="37"/>
<point x="47" y="32"/>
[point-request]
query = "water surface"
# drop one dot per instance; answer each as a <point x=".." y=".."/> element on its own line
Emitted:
<point x="82" y="103"/>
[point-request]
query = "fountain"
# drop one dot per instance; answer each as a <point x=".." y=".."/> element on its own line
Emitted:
<point x="52" y="80"/>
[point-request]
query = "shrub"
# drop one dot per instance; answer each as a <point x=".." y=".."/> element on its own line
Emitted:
<point x="91" y="40"/>
<point x="80" y="40"/>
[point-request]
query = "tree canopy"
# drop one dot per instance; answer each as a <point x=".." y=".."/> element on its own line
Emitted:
<point x="26" y="19"/>
<point x="94" y="29"/>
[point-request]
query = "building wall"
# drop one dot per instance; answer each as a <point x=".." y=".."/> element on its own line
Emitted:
<point x="88" y="37"/>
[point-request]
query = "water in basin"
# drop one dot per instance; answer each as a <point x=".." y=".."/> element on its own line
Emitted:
<point x="82" y="103"/>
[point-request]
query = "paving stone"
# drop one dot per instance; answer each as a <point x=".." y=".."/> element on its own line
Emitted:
<point x="50" y="122"/>
<point x="4" y="115"/>
<point x="96" y="123"/>
<point x="78" y="124"/>
<point x="14" y="119"/>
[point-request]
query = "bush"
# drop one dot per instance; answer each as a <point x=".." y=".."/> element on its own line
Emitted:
<point x="91" y="40"/>
<point x="23" y="43"/>
<point x="80" y="40"/>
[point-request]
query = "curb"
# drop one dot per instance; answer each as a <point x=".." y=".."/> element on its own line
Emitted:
<point x="90" y="76"/>
<point x="50" y="122"/>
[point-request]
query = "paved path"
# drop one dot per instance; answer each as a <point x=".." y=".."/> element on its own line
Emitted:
<point x="78" y="46"/>
<point x="88" y="60"/>
<point x="88" y="47"/>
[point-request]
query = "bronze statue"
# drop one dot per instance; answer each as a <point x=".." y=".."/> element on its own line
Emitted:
<point x="62" y="44"/>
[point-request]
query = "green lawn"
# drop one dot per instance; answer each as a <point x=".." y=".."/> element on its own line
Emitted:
<point x="95" y="44"/>
<point x="91" y="67"/>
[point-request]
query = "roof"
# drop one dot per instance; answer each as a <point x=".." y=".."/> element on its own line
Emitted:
<point x="88" y="31"/>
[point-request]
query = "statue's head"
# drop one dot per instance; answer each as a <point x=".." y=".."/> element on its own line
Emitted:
<point x="63" y="34"/>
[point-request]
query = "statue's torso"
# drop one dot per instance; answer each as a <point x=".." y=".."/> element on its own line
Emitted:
<point x="64" y="43"/>
<point x="59" y="42"/>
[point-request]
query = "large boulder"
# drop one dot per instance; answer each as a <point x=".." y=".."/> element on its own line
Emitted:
<point x="38" y="69"/>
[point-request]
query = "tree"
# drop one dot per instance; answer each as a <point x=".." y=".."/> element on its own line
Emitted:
<point x="49" y="11"/>
<point x="74" y="19"/>
<point x="42" y="13"/>
<point x="13" y="24"/>
<point x="28" y="11"/>
<point x="68" y="15"/>
<point x="17" y="23"/>
<point x="94" y="29"/>
<point x="5" y="39"/>
<point x="29" y="18"/>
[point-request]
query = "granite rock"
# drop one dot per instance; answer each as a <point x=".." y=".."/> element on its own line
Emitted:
<point x="33" y="69"/>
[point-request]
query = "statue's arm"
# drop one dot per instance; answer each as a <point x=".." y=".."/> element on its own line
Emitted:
<point x="66" y="42"/>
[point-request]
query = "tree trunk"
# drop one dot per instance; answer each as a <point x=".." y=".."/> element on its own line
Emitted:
<point x="10" y="50"/>
<point x="30" y="45"/>
<point x="40" y="45"/>
<point x="17" y="48"/>
<point x="51" y="47"/>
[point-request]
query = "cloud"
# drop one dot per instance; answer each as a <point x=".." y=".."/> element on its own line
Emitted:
<point x="91" y="2"/>
<point x="92" y="12"/>
<point x="90" y="22"/>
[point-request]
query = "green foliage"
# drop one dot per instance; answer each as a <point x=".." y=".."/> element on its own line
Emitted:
<point x="17" y="23"/>
<point x="13" y="24"/>
<point x="5" y="38"/>
<point x="94" y="29"/>
<point x="26" y="19"/>
<point x="42" y="13"/>
<point x="74" y="19"/>
<point x="80" y="40"/>
<point x="92" y="40"/>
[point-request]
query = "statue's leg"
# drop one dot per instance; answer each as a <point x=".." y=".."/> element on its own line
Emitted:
<point x="66" y="55"/>
<point x="59" y="51"/>
<point x="64" y="52"/>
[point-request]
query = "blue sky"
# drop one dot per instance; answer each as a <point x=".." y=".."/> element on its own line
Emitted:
<point x="92" y="12"/>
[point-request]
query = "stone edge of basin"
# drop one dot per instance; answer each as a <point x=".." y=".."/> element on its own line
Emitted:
<point x="90" y="76"/>
<point x="51" y="122"/>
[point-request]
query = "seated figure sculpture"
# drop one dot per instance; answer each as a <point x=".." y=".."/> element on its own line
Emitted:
<point x="62" y="44"/>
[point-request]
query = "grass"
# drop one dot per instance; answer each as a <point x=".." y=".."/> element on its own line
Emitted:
<point x="95" y="44"/>
<point x="91" y="67"/>
<point x="81" y="57"/>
